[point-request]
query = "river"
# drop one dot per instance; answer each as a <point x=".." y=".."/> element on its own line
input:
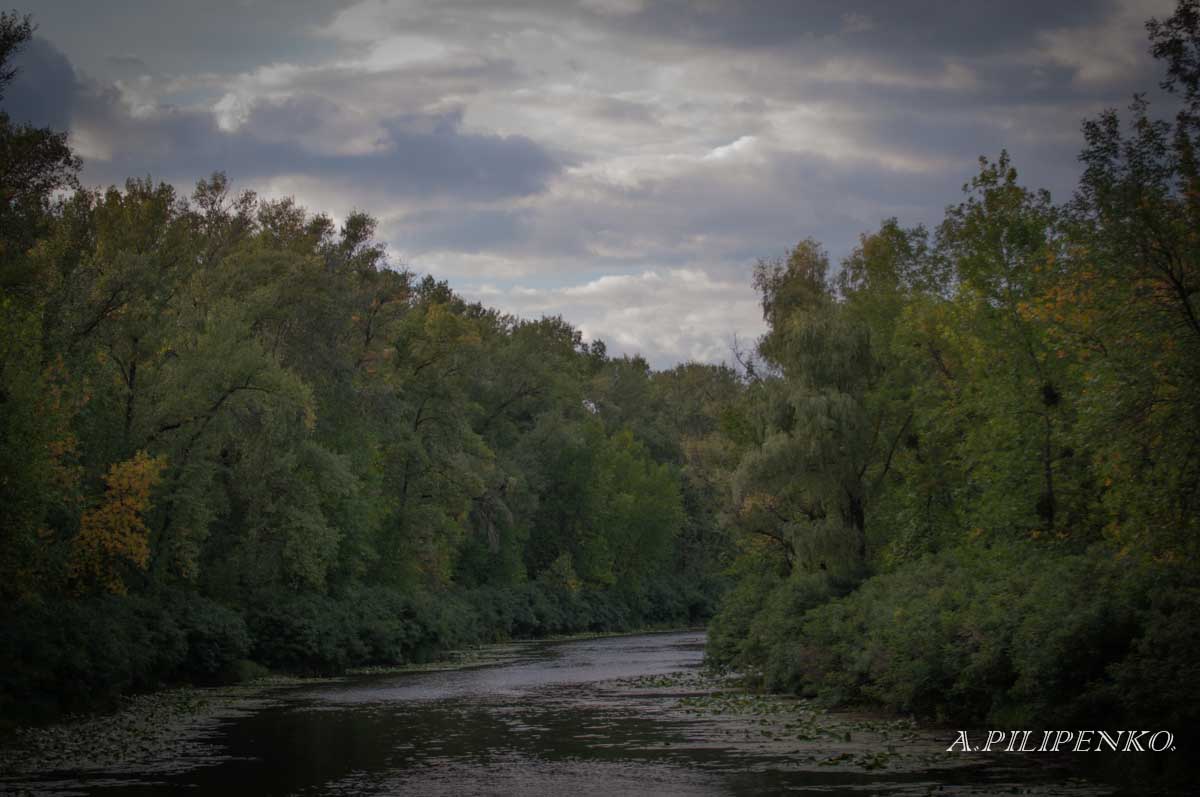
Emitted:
<point x="610" y="716"/>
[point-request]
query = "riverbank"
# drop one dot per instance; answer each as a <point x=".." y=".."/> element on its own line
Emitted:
<point x="147" y="733"/>
<point x="64" y="657"/>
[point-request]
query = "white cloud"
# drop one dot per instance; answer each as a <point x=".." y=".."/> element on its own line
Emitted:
<point x="743" y="146"/>
<point x="667" y="315"/>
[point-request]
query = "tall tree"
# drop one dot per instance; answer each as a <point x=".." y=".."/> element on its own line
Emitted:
<point x="37" y="403"/>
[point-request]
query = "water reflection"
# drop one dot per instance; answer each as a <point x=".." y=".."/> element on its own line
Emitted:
<point x="554" y="718"/>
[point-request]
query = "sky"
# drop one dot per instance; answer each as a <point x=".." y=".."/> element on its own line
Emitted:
<point x="621" y="163"/>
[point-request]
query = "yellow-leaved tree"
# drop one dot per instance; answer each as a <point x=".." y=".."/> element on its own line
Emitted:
<point x="113" y="534"/>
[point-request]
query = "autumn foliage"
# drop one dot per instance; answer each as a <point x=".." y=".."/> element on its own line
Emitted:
<point x="113" y="538"/>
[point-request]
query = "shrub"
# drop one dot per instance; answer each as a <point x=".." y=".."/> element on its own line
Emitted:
<point x="300" y="633"/>
<point x="1012" y="633"/>
<point x="75" y="655"/>
<point x="216" y="635"/>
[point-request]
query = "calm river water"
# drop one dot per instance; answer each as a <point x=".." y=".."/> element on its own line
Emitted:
<point x="611" y="716"/>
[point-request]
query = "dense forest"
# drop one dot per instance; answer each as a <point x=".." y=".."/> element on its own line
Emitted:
<point x="959" y="476"/>
<point x="966" y="477"/>
<point x="234" y="432"/>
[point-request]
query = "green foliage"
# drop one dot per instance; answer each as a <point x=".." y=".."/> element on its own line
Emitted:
<point x="235" y="413"/>
<point x="975" y="634"/>
<point x="72" y="655"/>
<point x="966" y="479"/>
<point x="217" y="638"/>
<point x="756" y="578"/>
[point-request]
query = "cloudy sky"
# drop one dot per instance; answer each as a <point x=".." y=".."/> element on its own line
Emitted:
<point x="621" y="163"/>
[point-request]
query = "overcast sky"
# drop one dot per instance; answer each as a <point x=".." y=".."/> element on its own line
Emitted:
<point x="621" y="163"/>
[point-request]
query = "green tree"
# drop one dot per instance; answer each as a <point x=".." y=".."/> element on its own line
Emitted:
<point x="38" y="399"/>
<point x="807" y="485"/>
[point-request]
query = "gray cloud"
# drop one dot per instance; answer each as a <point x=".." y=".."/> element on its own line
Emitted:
<point x="465" y="230"/>
<point x="183" y="36"/>
<point x="560" y="156"/>
<point x="45" y="87"/>
<point x="414" y="154"/>
<point x="963" y="26"/>
<point x="128" y="65"/>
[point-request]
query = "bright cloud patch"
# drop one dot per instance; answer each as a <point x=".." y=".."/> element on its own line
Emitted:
<point x="667" y="315"/>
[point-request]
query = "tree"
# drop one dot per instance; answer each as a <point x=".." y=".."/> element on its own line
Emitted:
<point x="1127" y="305"/>
<point x="37" y="401"/>
<point x="34" y="164"/>
<point x="805" y="487"/>
<point x="113" y="538"/>
<point x="1003" y="243"/>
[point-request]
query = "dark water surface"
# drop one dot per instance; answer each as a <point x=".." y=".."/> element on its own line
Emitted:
<point x="612" y="716"/>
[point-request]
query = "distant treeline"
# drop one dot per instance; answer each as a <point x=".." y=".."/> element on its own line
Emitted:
<point x="233" y="434"/>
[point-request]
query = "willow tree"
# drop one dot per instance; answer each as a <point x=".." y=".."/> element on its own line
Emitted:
<point x="827" y="445"/>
